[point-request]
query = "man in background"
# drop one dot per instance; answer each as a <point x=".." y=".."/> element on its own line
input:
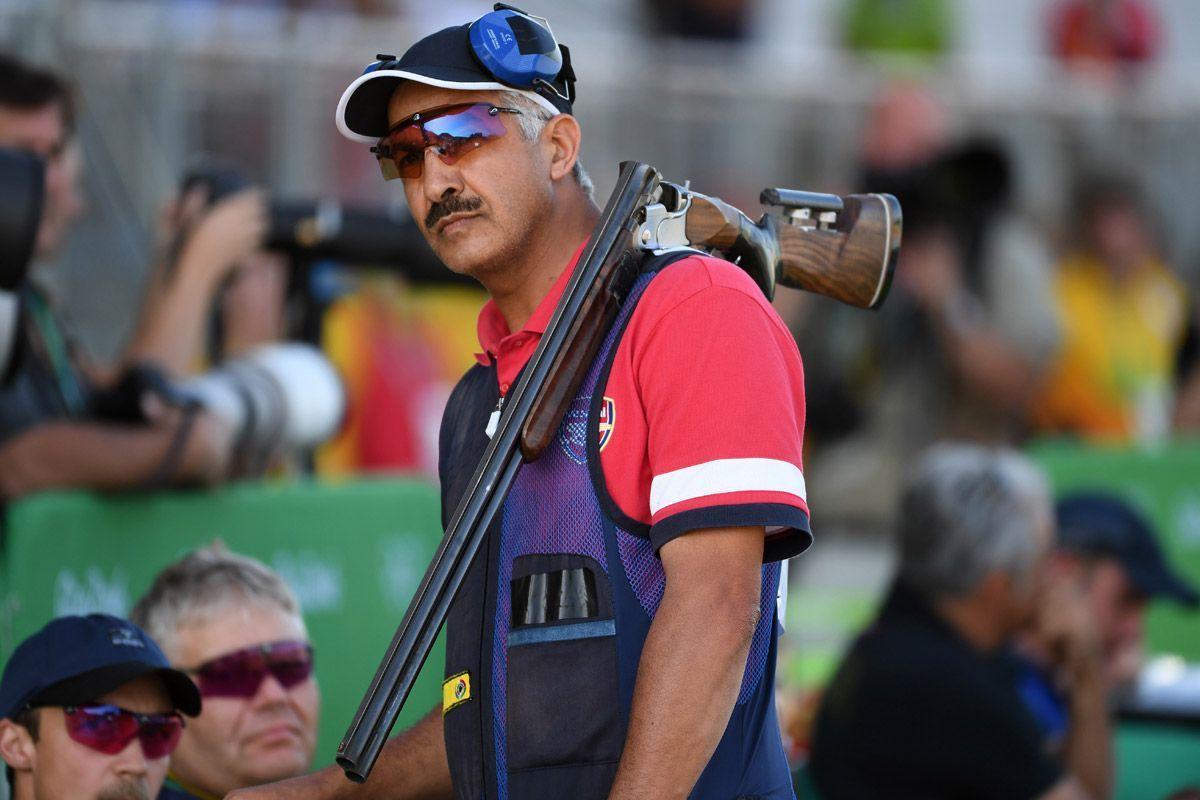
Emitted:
<point x="235" y="626"/>
<point x="925" y="704"/>
<point x="89" y="710"/>
<point x="1106" y="568"/>
<point x="966" y="335"/>
<point x="49" y="436"/>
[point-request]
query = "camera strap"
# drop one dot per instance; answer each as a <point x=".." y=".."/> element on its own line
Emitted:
<point x="165" y="471"/>
<point x="56" y="352"/>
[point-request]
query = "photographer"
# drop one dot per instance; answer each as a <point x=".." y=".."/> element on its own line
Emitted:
<point x="50" y="434"/>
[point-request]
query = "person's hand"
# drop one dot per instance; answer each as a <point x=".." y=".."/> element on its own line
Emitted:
<point x="1066" y="631"/>
<point x="179" y="214"/>
<point x="208" y="452"/>
<point x="233" y="228"/>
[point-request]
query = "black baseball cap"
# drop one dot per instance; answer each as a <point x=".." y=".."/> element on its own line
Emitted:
<point x="1102" y="524"/>
<point x="443" y="59"/>
<point x="75" y="660"/>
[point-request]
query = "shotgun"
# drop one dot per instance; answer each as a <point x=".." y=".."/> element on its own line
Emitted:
<point x="844" y="248"/>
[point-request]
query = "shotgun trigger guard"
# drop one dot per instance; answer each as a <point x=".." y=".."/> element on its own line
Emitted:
<point x="664" y="229"/>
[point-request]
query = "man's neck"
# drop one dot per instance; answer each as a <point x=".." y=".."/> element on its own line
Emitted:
<point x="523" y="284"/>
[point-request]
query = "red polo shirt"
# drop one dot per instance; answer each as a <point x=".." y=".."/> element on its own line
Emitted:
<point x="706" y="395"/>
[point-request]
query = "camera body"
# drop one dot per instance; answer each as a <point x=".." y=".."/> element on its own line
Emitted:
<point x="309" y="230"/>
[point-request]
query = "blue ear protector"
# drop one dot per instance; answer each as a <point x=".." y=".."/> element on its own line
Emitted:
<point x="520" y="50"/>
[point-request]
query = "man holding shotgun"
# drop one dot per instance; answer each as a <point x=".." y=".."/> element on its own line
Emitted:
<point x="616" y="635"/>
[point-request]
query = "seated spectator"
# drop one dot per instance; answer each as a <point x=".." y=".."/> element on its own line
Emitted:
<point x="1123" y="314"/>
<point x="236" y="626"/>
<point x="1107" y="568"/>
<point x="924" y="705"/>
<point x="49" y="434"/>
<point x="89" y="710"/>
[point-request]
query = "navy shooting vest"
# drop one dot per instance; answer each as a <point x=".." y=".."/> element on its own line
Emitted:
<point x="544" y="638"/>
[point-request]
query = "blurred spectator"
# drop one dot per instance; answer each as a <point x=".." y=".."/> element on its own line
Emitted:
<point x="235" y="625"/>
<point x="1101" y="36"/>
<point x="1106" y="567"/>
<point x="968" y="329"/>
<point x="1123" y="315"/>
<point x="924" y="705"/>
<point x="899" y="27"/>
<point x="48" y="436"/>
<point x="89" y="709"/>
<point x="703" y="19"/>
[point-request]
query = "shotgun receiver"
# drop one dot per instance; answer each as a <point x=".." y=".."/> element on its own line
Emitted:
<point x="844" y="248"/>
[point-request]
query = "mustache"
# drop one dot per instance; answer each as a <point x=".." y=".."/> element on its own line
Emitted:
<point x="451" y="205"/>
<point x="126" y="790"/>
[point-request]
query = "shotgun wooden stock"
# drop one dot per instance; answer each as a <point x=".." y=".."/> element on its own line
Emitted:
<point x="849" y="256"/>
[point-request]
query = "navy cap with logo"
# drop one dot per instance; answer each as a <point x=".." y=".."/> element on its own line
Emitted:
<point x="1101" y="524"/>
<point x="505" y="49"/>
<point x="76" y="660"/>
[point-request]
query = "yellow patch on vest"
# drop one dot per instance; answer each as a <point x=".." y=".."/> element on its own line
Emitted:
<point x="456" y="690"/>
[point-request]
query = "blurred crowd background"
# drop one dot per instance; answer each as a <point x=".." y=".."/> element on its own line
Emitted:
<point x="1045" y="153"/>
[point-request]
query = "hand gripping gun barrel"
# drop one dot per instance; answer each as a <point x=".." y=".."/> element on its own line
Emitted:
<point x="841" y="247"/>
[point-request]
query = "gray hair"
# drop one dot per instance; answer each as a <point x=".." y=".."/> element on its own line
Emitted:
<point x="967" y="511"/>
<point x="205" y="581"/>
<point x="532" y="121"/>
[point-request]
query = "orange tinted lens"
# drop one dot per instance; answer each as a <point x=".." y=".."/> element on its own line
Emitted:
<point x="453" y="131"/>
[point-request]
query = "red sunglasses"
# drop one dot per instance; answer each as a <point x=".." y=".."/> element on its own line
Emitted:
<point x="453" y="131"/>
<point x="110" y="729"/>
<point x="240" y="673"/>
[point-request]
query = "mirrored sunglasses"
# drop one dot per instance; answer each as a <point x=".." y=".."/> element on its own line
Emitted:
<point x="109" y="729"/>
<point x="452" y="131"/>
<point x="240" y="673"/>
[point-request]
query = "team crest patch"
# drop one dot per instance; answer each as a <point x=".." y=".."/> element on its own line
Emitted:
<point x="456" y="690"/>
<point x="608" y="420"/>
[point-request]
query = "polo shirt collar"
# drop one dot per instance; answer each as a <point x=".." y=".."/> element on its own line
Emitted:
<point x="492" y="328"/>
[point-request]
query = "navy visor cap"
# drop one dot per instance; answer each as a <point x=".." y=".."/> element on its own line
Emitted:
<point x="443" y="59"/>
<point x="1100" y="524"/>
<point x="76" y="660"/>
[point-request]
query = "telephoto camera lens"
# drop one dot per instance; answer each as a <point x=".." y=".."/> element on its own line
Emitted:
<point x="279" y="398"/>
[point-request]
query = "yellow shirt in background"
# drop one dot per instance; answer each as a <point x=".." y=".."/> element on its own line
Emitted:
<point x="1112" y="377"/>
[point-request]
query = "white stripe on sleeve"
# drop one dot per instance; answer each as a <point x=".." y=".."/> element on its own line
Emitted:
<point x="723" y="476"/>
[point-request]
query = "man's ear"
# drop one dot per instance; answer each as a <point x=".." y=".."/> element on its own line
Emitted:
<point x="562" y="137"/>
<point x="16" y="746"/>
